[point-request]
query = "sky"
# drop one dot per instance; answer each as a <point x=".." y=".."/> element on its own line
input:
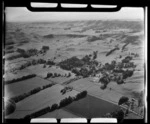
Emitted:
<point x="22" y="14"/>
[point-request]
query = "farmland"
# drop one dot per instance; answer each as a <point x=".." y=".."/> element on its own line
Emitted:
<point x="103" y="58"/>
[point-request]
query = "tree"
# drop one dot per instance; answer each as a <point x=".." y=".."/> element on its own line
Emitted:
<point x="122" y="100"/>
<point x="45" y="48"/>
<point x="95" y="54"/>
<point x="69" y="74"/>
<point x="53" y="107"/>
<point x="119" y="114"/>
<point x="103" y="86"/>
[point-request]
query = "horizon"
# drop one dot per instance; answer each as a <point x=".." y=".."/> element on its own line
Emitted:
<point x="22" y="14"/>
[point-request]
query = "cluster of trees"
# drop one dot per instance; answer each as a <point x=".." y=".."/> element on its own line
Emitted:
<point x="53" y="75"/>
<point x="47" y="86"/>
<point x="123" y="100"/>
<point x="25" y="95"/>
<point x="19" y="79"/>
<point x="81" y="95"/>
<point x="45" y="48"/>
<point x="55" y="106"/>
<point x="38" y="113"/>
<point x="108" y="66"/>
<point x="127" y="73"/>
<point x="71" y="80"/>
<point x="104" y="80"/>
<point x="34" y="91"/>
<point x="28" y="53"/>
<point x="119" y="114"/>
<point x="14" y="57"/>
<point x="127" y="59"/>
<point x="70" y="63"/>
<point x="66" y="101"/>
<point x="35" y="62"/>
<point x="107" y="54"/>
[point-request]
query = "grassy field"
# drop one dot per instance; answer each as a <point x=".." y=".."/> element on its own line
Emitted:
<point x="40" y="100"/>
<point x="60" y="113"/>
<point x="91" y="107"/>
<point x="24" y="86"/>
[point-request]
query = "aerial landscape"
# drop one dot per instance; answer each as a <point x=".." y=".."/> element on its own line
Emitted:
<point x="70" y="69"/>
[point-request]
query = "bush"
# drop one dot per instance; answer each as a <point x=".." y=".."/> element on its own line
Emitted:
<point x="122" y="100"/>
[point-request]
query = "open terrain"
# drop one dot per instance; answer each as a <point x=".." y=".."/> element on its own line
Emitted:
<point x="104" y="58"/>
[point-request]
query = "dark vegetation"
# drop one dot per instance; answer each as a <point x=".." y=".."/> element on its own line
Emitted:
<point x="62" y="103"/>
<point x="123" y="100"/>
<point x="35" y="62"/>
<point x="53" y="75"/>
<point x="9" y="47"/>
<point x="63" y="35"/>
<point x="93" y="38"/>
<point x="123" y="47"/>
<point x="70" y="63"/>
<point x="119" y="114"/>
<point x="81" y="67"/>
<point x="10" y="107"/>
<point x="19" y="79"/>
<point x="111" y="51"/>
<point x="131" y="39"/>
<point x="10" y="51"/>
<point x="9" y="43"/>
<point x="28" y="53"/>
<point x="32" y="92"/>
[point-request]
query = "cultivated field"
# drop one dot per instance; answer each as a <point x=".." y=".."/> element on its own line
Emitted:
<point x="60" y="51"/>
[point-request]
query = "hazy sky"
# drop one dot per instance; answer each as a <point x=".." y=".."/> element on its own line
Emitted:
<point x="23" y="14"/>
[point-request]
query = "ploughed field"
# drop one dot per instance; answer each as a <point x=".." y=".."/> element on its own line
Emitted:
<point x="104" y="58"/>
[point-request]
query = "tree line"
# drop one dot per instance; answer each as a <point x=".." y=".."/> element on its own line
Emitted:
<point x="55" y="106"/>
<point x="32" y="92"/>
<point x="20" y="79"/>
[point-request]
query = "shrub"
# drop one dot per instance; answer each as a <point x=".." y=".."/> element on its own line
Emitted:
<point x="122" y="100"/>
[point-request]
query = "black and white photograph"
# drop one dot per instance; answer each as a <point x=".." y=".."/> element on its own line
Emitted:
<point x="74" y="64"/>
